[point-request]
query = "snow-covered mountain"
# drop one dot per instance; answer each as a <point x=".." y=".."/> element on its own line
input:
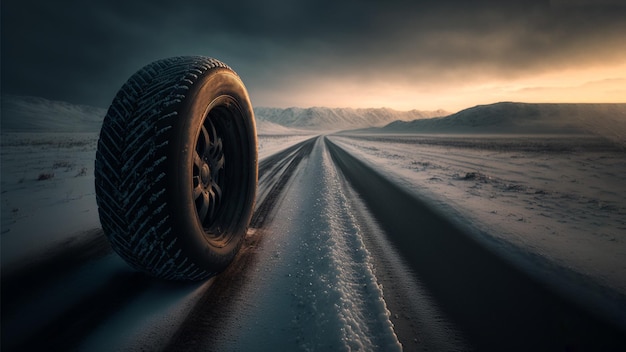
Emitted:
<point x="264" y="127"/>
<point x="508" y="117"/>
<point x="322" y="118"/>
<point x="34" y="114"/>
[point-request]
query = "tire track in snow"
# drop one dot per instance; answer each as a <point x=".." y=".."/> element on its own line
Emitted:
<point x="284" y="162"/>
<point x="495" y="304"/>
<point x="207" y="316"/>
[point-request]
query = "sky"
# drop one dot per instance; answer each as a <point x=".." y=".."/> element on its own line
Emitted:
<point x="401" y="54"/>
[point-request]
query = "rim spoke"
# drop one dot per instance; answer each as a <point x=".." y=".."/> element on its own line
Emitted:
<point x="197" y="190"/>
<point x="219" y="164"/>
<point x="205" y="206"/>
<point x="197" y="160"/>
<point x="212" y="131"/>
<point x="207" y="191"/>
<point x="212" y="204"/>
<point x="216" y="149"/>
<point x="205" y="135"/>
<point x="203" y="141"/>
<point x="207" y="141"/>
<point x="217" y="191"/>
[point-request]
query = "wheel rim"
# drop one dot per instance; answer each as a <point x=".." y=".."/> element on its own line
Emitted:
<point x="208" y="173"/>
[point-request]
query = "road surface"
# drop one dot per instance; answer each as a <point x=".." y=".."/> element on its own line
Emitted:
<point x="337" y="257"/>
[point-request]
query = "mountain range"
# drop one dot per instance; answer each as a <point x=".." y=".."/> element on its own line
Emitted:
<point x="33" y="114"/>
<point x="323" y="118"/>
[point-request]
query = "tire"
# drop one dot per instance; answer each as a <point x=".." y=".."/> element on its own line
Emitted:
<point x="176" y="168"/>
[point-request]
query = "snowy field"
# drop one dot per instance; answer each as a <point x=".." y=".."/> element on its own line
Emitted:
<point x="561" y="197"/>
<point x="48" y="193"/>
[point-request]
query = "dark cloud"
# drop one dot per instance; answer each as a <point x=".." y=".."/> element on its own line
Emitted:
<point x="82" y="51"/>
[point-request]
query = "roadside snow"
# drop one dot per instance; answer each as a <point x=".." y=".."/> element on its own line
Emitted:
<point x="563" y="198"/>
<point x="48" y="192"/>
<point x="273" y="143"/>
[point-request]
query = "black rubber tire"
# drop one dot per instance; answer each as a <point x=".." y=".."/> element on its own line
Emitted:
<point x="178" y="142"/>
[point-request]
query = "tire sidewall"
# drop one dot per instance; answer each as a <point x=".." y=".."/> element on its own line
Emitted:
<point x="214" y="86"/>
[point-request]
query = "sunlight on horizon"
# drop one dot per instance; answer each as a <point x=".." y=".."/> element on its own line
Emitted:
<point x="599" y="84"/>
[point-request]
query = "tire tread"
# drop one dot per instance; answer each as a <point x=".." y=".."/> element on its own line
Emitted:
<point x="130" y="181"/>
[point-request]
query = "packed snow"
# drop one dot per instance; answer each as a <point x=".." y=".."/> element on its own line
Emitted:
<point x="314" y="287"/>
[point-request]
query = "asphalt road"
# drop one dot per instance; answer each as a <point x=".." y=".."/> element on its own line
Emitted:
<point x="466" y="296"/>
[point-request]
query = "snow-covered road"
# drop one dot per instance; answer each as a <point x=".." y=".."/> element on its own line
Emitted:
<point x="342" y="254"/>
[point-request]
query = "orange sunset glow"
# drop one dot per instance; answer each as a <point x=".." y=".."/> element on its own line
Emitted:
<point x="601" y="83"/>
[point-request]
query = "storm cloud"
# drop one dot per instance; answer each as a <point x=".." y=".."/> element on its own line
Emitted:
<point x="82" y="52"/>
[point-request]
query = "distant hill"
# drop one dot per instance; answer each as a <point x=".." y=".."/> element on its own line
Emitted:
<point x="322" y="118"/>
<point x="521" y="118"/>
<point x="33" y="114"/>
